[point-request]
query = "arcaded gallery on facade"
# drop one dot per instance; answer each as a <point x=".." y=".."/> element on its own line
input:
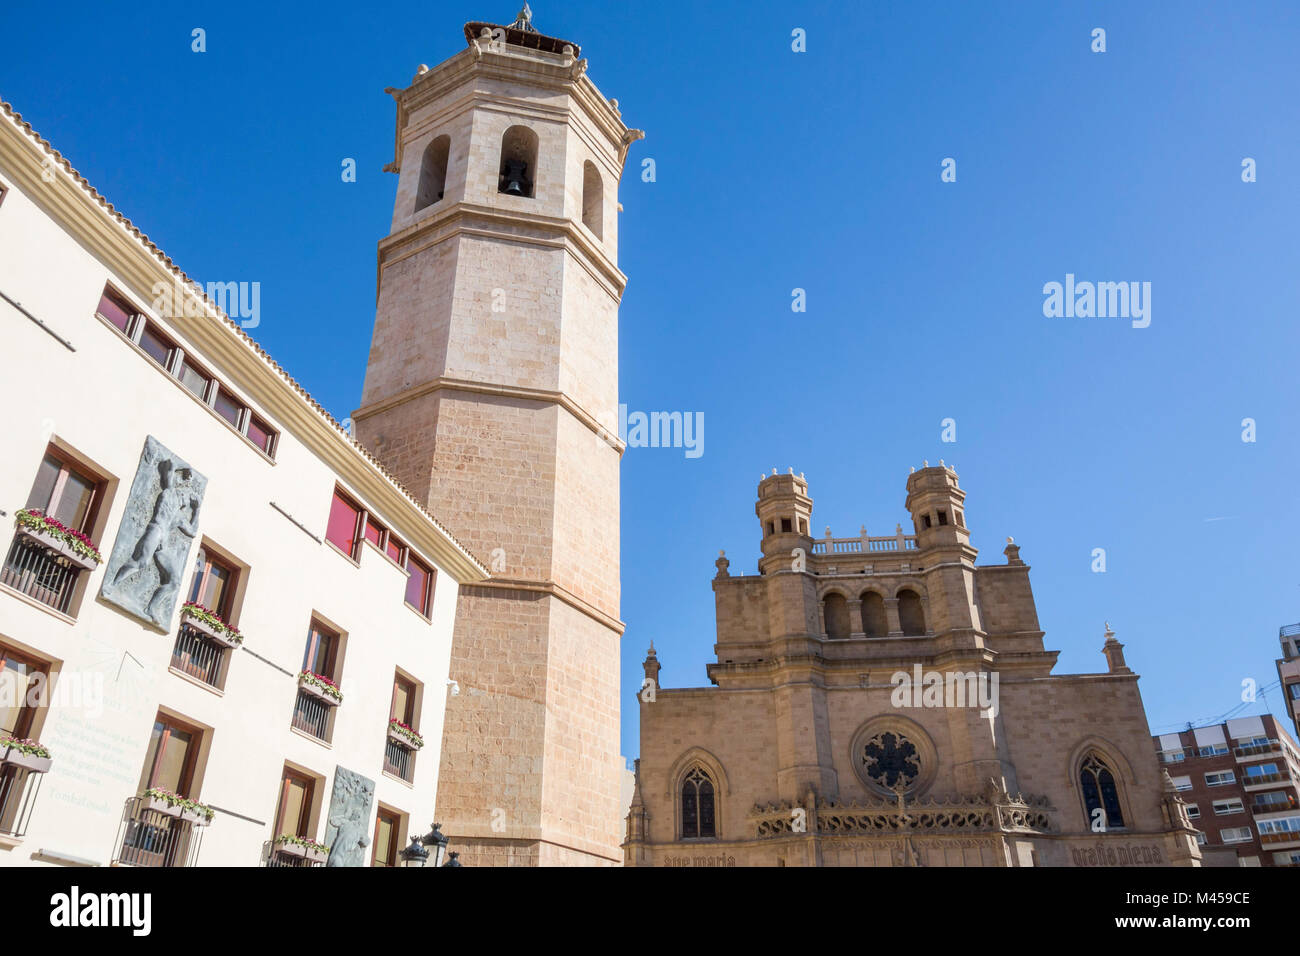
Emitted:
<point x="224" y="628"/>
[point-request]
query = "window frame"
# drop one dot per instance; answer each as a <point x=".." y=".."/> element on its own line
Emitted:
<point x="170" y="725"/>
<point x="358" y="524"/>
<point x="425" y="610"/>
<point x="394" y="841"/>
<point x="27" y="713"/>
<point x="69" y="465"/>
<point x="308" y="804"/>
<point x="315" y="631"/>
<point x="210" y="559"/>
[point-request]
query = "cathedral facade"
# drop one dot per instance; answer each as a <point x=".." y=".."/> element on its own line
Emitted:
<point x="885" y="701"/>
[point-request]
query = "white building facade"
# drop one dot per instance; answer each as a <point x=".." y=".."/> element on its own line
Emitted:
<point x="244" y="661"/>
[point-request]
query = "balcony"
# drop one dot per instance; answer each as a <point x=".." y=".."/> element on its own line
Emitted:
<point x="1255" y="750"/>
<point x="151" y="838"/>
<point x="865" y="545"/>
<point x="40" y="572"/>
<point x="1254" y="781"/>
<point x="18" y="789"/>
<point x="311" y="715"/>
<point x="1280" y="841"/>
<point x="200" y="653"/>
<point x="300" y="854"/>
<point x="399" y="761"/>
<point x="1261" y="806"/>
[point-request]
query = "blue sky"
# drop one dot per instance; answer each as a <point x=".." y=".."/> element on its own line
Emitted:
<point x="819" y="170"/>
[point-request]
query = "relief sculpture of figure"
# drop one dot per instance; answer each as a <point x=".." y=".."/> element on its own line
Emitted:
<point x="176" y="509"/>
<point x="350" y="814"/>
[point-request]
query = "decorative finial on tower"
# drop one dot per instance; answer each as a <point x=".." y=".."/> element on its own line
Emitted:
<point x="651" y="652"/>
<point x="524" y="21"/>
<point x="1114" y="652"/>
<point x="1012" y="551"/>
<point x="912" y="470"/>
<point x="722" y="564"/>
<point x="792" y="469"/>
<point x="925" y="462"/>
<point x="941" y="464"/>
<point x="774" y="470"/>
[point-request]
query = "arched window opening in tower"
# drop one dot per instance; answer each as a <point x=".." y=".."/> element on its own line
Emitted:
<point x="593" y="200"/>
<point x="433" y="173"/>
<point x="911" y="615"/>
<point x="1100" y="792"/>
<point x="518" y="162"/>
<point x="697" y="806"/>
<point x="837" y="617"/>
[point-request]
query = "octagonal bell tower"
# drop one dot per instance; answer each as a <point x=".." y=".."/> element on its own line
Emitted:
<point x="492" y="392"/>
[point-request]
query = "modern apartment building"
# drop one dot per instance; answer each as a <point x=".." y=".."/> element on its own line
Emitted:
<point x="225" y="630"/>
<point x="1239" y="779"/>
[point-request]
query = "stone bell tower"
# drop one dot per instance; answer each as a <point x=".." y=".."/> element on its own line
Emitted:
<point x="492" y="393"/>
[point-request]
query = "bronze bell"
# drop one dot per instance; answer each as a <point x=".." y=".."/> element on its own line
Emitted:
<point x="516" y="184"/>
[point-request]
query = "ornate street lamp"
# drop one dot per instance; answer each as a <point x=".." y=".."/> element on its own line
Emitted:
<point x="453" y="861"/>
<point x="414" y="855"/>
<point x="437" y="842"/>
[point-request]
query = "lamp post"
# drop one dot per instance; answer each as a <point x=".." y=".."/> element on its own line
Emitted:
<point x="417" y="855"/>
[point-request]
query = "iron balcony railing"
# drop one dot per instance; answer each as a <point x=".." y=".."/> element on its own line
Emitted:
<point x="35" y="571"/>
<point x="18" y="789"/>
<point x="150" y="838"/>
<point x="198" y="655"/>
<point x="399" y="761"/>
<point x="273" y="855"/>
<point x="311" y="716"/>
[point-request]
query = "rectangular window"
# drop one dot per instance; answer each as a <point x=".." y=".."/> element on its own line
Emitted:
<point x="1214" y="750"/>
<point x="18" y="674"/>
<point x="261" y="435"/>
<point x="1223" y="808"/>
<point x="375" y="532"/>
<point x="1193" y="812"/>
<point x="322" y="646"/>
<point x="65" y="492"/>
<point x="387" y="828"/>
<point x="419" y="586"/>
<point x="293" y="815"/>
<point x="1235" y="835"/>
<point x="195" y="379"/>
<point x="213" y="585"/>
<point x="394" y="548"/>
<point x="1182" y="783"/>
<point x="1220" y="779"/>
<point x="116" y="309"/>
<point x="169" y="761"/>
<point x="155" y="345"/>
<point x="345" y="517"/>
<point x="227" y="407"/>
<point x="1260" y="770"/>
<point x="403" y="708"/>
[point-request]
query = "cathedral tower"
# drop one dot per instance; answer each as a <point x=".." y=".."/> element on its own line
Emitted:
<point x="492" y="393"/>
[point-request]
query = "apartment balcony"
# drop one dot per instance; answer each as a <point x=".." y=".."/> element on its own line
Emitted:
<point x="1290" y="803"/>
<point x="153" y="838"/>
<point x="19" y="787"/>
<point x="399" y="761"/>
<point x="311" y="715"/>
<point x="197" y="654"/>
<point x="1257" y="750"/>
<point x="1280" y="841"/>
<point x="36" y="569"/>
<point x="1258" y="781"/>
<point x="277" y="853"/>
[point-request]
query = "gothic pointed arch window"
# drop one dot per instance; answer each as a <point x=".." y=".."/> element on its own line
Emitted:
<point x="1100" y="792"/>
<point x="697" y="799"/>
